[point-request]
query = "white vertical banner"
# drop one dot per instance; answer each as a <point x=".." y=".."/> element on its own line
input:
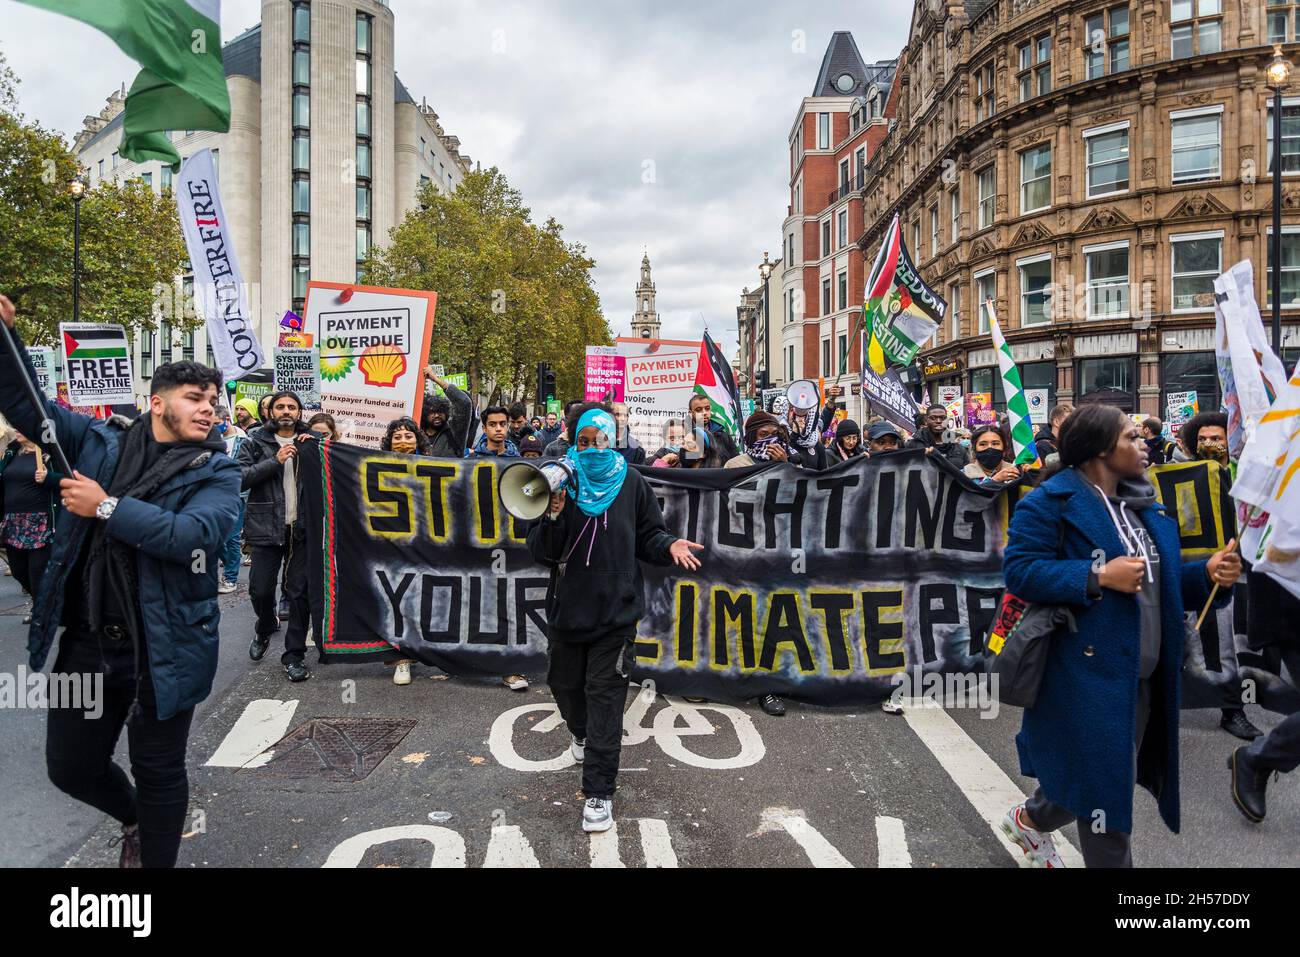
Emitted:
<point x="219" y="291"/>
<point x="43" y="360"/>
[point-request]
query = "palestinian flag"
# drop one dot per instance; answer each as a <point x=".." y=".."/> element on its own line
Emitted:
<point x="181" y="84"/>
<point x="880" y="284"/>
<point x="715" y="381"/>
<point x="1022" y="430"/>
<point x="93" y="342"/>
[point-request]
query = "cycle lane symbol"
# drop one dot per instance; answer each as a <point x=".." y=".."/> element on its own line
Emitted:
<point x="671" y="725"/>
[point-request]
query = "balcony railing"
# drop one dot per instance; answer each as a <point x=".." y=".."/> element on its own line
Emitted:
<point x="853" y="185"/>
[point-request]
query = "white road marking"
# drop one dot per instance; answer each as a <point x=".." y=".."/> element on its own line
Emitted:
<point x="604" y="848"/>
<point x="263" y="723"/>
<point x="819" y="850"/>
<point x="448" y="846"/>
<point x="891" y="843"/>
<point x="656" y="844"/>
<point x="986" y="786"/>
<point x="509" y="848"/>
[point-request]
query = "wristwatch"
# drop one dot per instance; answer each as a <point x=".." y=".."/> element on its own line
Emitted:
<point x="105" y="508"/>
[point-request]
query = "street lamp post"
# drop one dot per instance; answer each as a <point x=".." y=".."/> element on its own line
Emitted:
<point x="765" y="271"/>
<point x="1278" y="73"/>
<point x="78" y="190"/>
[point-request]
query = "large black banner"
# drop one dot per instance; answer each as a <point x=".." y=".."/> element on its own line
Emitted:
<point x="823" y="586"/>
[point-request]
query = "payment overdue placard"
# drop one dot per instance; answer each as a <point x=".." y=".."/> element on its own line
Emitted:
<point x="373" y="346"/>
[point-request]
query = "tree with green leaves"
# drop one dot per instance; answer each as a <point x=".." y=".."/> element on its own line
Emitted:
<point x="511" y="293"/>
<point x="131" y="240"/>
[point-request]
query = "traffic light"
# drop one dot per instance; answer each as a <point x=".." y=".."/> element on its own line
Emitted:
<point x="545" y="382"/>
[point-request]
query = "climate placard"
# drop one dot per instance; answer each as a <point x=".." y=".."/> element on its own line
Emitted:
<point x="298" y="370"/>
<point x="43" y="360"/>
<point x="658" y="382"/>
<point x="374" y="344"/>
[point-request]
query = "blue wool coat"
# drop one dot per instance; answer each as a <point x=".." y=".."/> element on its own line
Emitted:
<point x="1078" y="739"/>
<point x="191" y="513"/>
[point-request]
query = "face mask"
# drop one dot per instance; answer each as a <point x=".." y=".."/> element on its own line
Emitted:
<point x="673" y="448"/>
<point x="221" y="428"/>
<point x="989" y="459"/>
<point x="1213" y="451"/>
<point x="406" y="448"/>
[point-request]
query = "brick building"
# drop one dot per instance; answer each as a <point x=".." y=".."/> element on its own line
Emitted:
<point x="816" y="294"/>
<point x="1091" y="167"/>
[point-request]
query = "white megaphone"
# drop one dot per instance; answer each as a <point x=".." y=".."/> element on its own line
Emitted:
<point x="525" y="488"/>
<point x="803" y="395"/>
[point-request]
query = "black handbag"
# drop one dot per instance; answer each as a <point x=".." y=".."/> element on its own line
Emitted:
<point x="1018" y="643"/>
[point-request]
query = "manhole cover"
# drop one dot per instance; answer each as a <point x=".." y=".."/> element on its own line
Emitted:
<point x="335" y="749"/>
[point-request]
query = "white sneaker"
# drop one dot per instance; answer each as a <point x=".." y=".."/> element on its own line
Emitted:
<point x="597" y="815"/>
<point x="225" y="588"/>
<point x="1036" y="845"/>
<point x="402" y="673"/>
<point x="515" y="682"/>
<point x="578" y="748"/>
<point x="890" y="706"/>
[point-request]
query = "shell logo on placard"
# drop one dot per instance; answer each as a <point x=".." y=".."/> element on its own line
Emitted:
<point x="382" y="365"/>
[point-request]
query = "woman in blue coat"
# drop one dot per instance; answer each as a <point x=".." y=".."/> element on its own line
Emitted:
<point x="1093" y="538"/>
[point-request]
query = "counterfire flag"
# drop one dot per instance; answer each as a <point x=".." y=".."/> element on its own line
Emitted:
<point x="900" y="311"/>
<point x="714" y="380"/>
<point x="1022" y="430"/>
<point x="181" y="84"/>
<point x="219" y="289"/>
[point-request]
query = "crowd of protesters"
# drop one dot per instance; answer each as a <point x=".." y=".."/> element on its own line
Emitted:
<point x="1097" y="731"/>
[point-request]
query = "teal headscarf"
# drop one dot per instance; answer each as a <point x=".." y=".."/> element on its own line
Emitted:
<point x="601" y="471"/>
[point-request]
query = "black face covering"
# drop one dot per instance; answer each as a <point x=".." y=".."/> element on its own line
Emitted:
<point x="989" y="459"/>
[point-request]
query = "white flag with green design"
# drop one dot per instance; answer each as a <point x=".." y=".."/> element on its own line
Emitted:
<point x="1022" y="430"/>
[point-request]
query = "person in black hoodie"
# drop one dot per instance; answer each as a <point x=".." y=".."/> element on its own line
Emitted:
<point x="593" y="538"/>
<point x="446" y="418"/>
<point x="930" y="436"/>
<point x="274" y="535"/>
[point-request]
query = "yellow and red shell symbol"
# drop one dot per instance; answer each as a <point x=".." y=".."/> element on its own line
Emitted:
<point x="382" y="365"/>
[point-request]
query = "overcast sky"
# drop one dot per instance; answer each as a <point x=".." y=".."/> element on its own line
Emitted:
<point x="579" y="102"/>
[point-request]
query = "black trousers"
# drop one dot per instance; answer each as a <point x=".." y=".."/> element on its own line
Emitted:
<point x="1279" y="750"/>
<point x="1107" y="848"/>
<point x="589" y="682"/>
<point x="28" y="565"/>
<point x="264" y="575"/>
<point x="79" y="748"/>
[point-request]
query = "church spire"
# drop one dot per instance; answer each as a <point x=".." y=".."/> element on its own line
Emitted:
<point x="645" y="324"/>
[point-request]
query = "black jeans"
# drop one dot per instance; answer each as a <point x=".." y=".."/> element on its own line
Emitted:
<point x="1279" y="750"/>
<point x="28" y="565"/>
<point x="264" y="575"/>
<point x="1107" y="848"/>
<point x="589" y="682"/>
<point x="79" y="748"/>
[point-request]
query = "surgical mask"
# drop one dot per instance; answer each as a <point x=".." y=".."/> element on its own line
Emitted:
<point x="406" y="448"/>
<point x="989" y="459"/>
<point x="221" y="427"/>
<point x="1214" y="451"/>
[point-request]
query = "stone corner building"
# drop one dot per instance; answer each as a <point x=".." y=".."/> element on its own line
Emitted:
<point x="1090" y="167"/>
<point x="326" y="153"/>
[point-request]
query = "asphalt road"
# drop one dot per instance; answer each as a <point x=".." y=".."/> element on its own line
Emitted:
<point x="469" y="772"/>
